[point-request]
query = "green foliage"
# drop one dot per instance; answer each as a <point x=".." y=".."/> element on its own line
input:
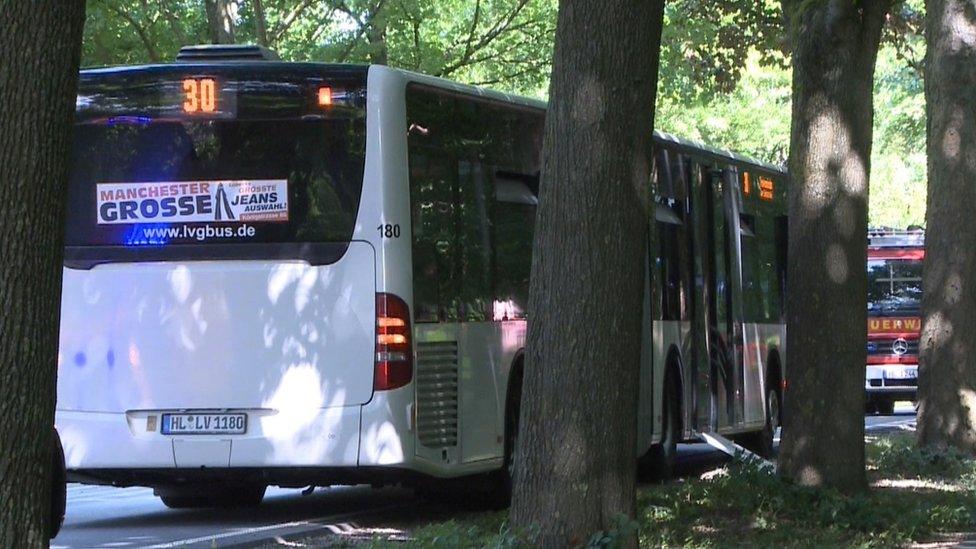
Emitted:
<point x="706" y="44"/>
<point x="506" y="44"/>
<point x="754" y="119"/>
<point x="624" y="530"/>
<point x="743" y="505"/>
<point x="899" y="458"/>
<point x="766" y="510"/>
<point x="898" y="161"/>
<point x="125" y="32"/>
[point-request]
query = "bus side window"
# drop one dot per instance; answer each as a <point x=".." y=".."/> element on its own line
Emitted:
<point x="474" y="242"/>
<point x="434" y="241"/>
<point x="760" y="255"/>
<point x="671" y="259"/>
<point x="752" y="297"/>
<point x="514" y="224"/>
<point x="469" y="252"/>
<point x="782" y="232"/>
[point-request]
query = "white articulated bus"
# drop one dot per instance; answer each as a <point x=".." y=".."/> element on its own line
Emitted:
<point x="307" y="274"/>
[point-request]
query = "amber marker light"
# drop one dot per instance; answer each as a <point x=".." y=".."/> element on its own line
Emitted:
<point x="387" y="322"/>
<point x="325" y="96"/>
<point x="766" y="188"/>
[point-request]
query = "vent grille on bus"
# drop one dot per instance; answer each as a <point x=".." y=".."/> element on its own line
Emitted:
<point x="437" y="394"/>
<point x="220" y="52"/>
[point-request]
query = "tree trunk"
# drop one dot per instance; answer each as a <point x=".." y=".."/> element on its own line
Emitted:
<point x="261" y="22"/>
<point x="575" y="456"/>
<point x="835" y="46"/>
<point x="40" y="43"/>
<point x="947" y="376"/>
<point x="376" y="34"/>
<point x="221" y="20"/>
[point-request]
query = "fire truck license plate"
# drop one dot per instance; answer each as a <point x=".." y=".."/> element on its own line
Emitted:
<point x="204" y="424"/>
<point x="902" y="373"/>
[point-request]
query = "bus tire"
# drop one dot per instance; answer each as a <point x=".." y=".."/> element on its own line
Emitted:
<point x="761" y="442"/>
<point x="658" y="463"/>
<point x="764" y="446"/>
<point x="513" y="405"/>
<point x="59" y="488"/>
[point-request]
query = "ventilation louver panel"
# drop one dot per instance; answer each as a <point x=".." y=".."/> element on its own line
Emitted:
<point x="437" y="394"/>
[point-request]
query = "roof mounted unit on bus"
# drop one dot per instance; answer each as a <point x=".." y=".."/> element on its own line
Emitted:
<point x="209" y="53"/>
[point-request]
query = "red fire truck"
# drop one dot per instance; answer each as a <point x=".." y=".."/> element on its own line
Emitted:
<point x="894" y="318"/>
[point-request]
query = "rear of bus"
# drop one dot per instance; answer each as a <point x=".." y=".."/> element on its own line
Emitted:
<point x="220" y="308"/>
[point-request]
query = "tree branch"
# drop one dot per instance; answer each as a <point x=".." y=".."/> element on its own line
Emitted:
<point x="503" y="25"/>
<point x="362" y="25"/>
<point x="474" y="28"/>
<point x="174" y="23"/>
<point x="140" y="30"/>
<point x="289" y="20"/>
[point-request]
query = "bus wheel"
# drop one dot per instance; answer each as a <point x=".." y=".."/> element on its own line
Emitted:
<point x="772" y="423"/>
<point x="59" y="488"/>
<point x="761" y="442"/>
<point x="502" y="483"/>
<point x="658" y="462"/>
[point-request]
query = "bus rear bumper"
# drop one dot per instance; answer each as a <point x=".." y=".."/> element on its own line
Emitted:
<point x="326" y="437"/>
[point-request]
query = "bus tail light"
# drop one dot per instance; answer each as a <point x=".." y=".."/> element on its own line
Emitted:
<point x="394" y="350"/>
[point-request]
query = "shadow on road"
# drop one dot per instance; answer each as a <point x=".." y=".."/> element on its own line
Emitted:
<point x="287" y="507"/>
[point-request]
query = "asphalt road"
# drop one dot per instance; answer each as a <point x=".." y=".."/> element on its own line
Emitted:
<point x="106" y="517"/>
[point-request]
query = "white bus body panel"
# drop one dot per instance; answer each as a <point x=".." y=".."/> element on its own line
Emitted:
<point x="290" y="343"/>
<point x="483" y="351"/>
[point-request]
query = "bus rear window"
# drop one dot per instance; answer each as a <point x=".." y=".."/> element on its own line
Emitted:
<point x="272" y="173"/>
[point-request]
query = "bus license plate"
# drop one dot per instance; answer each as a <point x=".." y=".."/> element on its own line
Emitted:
<point x="204" y="424"/>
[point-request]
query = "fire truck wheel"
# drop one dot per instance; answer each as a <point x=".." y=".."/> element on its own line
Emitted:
<point x="886" y="407"/>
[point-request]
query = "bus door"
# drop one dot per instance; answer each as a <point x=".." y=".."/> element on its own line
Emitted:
<point x="734" y="222"/>
<point x="714" y="377"/>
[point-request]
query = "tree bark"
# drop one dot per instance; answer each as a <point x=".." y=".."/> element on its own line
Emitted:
<point x="40" y="44"/>
<point x="261" y="22"/>
<point x="835" y="48"/>
<point x="376" y="34"/>
<point x="575" y="456"/>
<point x="221" y="20"/>
<point x="947" y="361"/>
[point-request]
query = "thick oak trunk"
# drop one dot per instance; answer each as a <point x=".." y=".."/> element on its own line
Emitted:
<point x="40" y="44"/>
<point x="835" y="45"/>
<point x="947" y="376"/>
<point x="221" y="20"/>
<point x="575" y="456"/>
